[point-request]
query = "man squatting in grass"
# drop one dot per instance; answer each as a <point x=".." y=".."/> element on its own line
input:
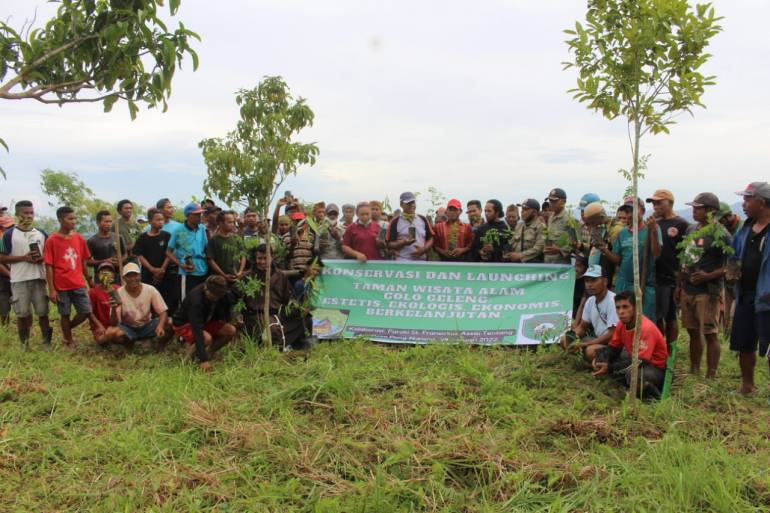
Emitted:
<point x="653" y="350"/>
<point x="66" y="258"/>
<point x="135" y="311"/>
<point x="597" y="323"/>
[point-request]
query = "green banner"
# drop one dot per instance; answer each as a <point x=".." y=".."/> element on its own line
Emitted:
<point x="420" y="302"/>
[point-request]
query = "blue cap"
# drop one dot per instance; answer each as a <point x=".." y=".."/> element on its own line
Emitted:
<point x="407" y="197"/>
<point x="587" y="199"/>
<point x="192" y="208"/>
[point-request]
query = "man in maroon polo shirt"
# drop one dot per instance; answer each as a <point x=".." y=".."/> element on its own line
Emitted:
<point x="361" y="240"/>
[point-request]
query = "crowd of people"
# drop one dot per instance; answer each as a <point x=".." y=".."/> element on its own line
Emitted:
<point x="199" y="279"/>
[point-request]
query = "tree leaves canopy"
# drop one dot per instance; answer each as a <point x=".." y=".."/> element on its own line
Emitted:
<point x="248" y="165"/>
<point x="95" y="51"/>
<point x="642" y="58"/>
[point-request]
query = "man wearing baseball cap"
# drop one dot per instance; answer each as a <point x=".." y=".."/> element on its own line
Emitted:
<point x="557" y="245"/>
<point x="453" y="238"/>
<point x="751" y="324"/>
<point x="673" y="229"/>
<point x="702" y="281"/>
<point x="187" y="249"/>
<point x="529" y="236"/>
<point x="599" y="315"/>
<point x="728" y="218"/>
<point x="331" y="233"/>
<point x="410" y="236"/>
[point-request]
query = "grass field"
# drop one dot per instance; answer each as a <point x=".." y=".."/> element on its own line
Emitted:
<point x="358" y="427"/>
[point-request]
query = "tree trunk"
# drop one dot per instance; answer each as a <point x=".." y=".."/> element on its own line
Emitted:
<point x="267" y="338"/>
<point x="637" y="278"/>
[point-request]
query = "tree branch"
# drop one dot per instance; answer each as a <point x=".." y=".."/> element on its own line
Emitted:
<point x="35" y="64"/>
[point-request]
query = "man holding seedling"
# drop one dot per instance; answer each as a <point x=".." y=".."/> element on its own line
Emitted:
<point x="597" y="324"/>
<point x="701" y="281"/>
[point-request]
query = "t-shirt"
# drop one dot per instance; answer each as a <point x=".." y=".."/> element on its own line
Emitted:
<point x="187" y="242"/>
<point x="102" y="248"/>
<point x="100" y="305"/>
<point x="399" y="229"/>
<point x="363" y="239"/>
<point x="623" y="246"/>
<point x="137" y="311"/>
<point x="601" y="316"/>
<point x="706" y="257"/>
<point x="16" y="242"/>
<point x="153" y="249"/>
<point x="128" y="231"/>
<point x="66" y="256"/>
<point x="667" y="264"/>
<point x="226" y="252"/>
<point x="652" y="345"/>
<point x="752" y="260"/>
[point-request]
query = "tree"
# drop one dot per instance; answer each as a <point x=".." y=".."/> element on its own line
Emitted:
<point x="250" y="163"/>
<point x="641" y="59"/>
<point x="67" y="189"/>
<point x="95" y="51"/>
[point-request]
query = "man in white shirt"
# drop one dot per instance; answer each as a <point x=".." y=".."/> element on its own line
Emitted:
<point x="599" y="318"/>
<point x="23" y="254"/>
<point x="410" y="236"/>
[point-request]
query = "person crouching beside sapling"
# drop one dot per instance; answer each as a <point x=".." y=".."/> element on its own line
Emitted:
<point x="203" y="319"/>
<point x="599" y="318"/>
<point x="653" y="350"/>
<point x="66" y="258"/>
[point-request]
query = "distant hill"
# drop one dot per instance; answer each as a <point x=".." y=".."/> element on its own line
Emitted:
<point x="687" y="212"/>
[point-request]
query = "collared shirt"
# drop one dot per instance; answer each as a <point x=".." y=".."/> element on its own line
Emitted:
<point x="187" y="242"/>
<point x="559" y="235"/>
<point x="363" y="239"/>
<point x="529" y="240"/>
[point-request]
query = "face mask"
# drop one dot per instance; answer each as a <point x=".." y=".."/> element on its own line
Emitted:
<point x="23" y="223"/>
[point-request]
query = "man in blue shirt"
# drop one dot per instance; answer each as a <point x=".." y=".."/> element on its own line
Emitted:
<point x="187" y="249"/>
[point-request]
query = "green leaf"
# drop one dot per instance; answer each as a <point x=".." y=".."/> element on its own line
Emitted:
<point x="109" y="102"/>
<point x="4" y="145"/>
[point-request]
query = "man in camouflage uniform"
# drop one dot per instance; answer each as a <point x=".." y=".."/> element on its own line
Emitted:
<point x="528" y="236"/>
<point x="558" y="238"/>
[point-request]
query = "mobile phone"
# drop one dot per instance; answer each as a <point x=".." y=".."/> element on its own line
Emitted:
<point x="115" y="296"/>
<point x="412" y="233"/>
<point x="34" y="248"/>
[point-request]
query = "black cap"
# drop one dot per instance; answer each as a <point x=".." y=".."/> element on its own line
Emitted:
<point x="530" y="203"/>
<point x="705" y="199"/>
<point x="557" y="193"/>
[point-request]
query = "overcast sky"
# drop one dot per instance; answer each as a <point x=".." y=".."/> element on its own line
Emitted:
<point x="467" y="97"/>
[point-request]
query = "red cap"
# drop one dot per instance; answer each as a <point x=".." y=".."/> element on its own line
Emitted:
<point x="297" y="216"/>
<point x="455" y="203"/>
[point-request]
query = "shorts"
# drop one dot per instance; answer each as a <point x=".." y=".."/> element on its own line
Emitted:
<point x="5" y="303"/>
<point x="185" y="330"/>
<point x="750" y="328"/>
<point x="77" y="298"/>
<point x="701" y="312"/>
<point x="28" y="293"/>
<point x="666" y="306"/>
<point x="145" y="332"/>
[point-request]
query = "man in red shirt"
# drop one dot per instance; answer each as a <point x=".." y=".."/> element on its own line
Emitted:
<point x="453" y="239"/>
<point x="66" y="257"/>
<point x="653" y="350"/>
<point x="362" y="239"/>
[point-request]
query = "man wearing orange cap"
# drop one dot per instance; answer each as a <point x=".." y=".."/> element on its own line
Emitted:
<point x="672" y="229"/>
<point x="453" y="238"/>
